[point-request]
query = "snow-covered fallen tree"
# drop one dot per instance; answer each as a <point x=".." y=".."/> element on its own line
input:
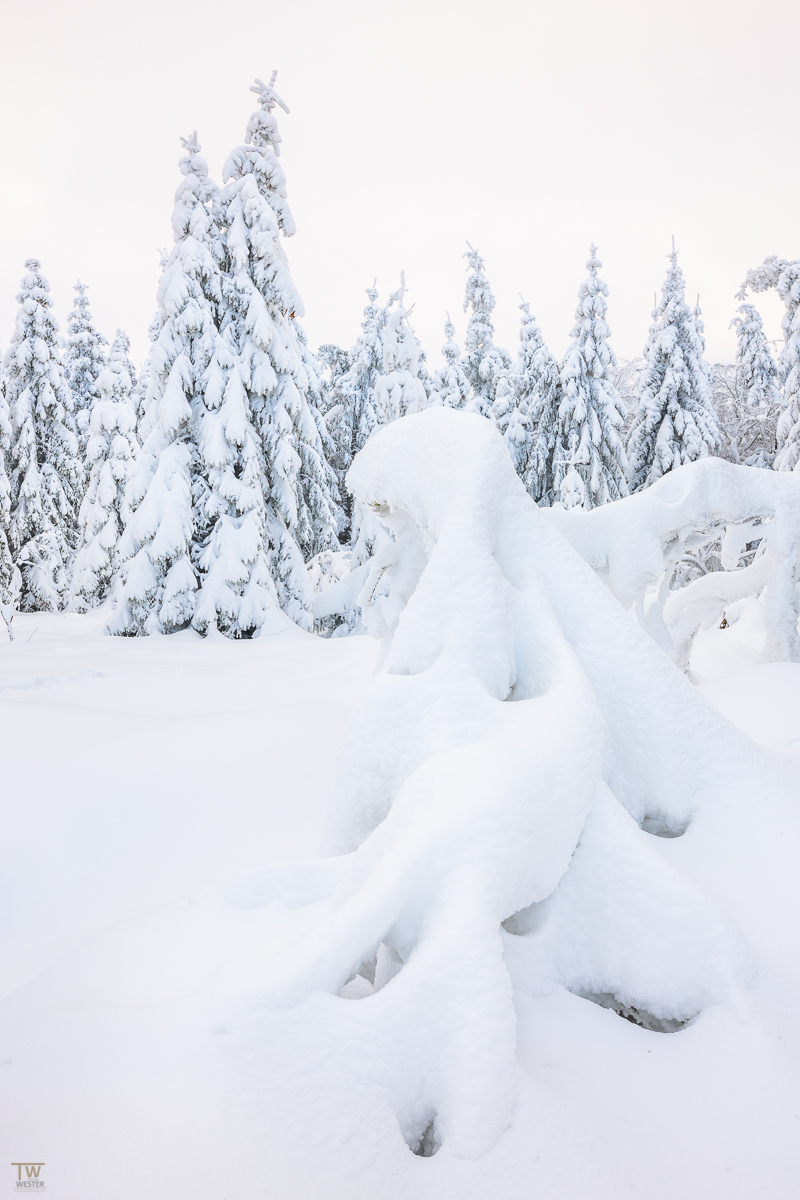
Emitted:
<point x="520" y="744"/>
<point x="646" y="546"/>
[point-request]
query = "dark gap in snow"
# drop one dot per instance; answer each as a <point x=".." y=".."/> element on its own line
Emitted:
<point x="637" y="1016"/>
<point x="368" y="970"/>
<point x="428" y="1143"/>
<point x="527" y="920"/>
<point x="661" y="826"/>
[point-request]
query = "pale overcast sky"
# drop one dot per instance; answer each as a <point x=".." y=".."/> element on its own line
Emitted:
<point x="529" y="129"/>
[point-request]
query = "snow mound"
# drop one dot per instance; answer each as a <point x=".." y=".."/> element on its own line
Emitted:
<point x="503" y="779"/>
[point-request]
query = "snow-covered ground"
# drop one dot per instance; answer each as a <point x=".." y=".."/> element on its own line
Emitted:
<point x="136" y="1055"/>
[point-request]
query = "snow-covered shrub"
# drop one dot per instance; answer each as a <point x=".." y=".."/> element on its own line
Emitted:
<point x="521" y="742"/>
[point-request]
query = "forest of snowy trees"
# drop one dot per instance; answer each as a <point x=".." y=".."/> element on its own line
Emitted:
<point x="208" y="489"/>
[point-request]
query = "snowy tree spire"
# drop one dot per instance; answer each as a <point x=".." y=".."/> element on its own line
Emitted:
<point x="110" y="453"/>
<point x="591" y="414"/>
<point x="84" y="360"/>
<point x="194" y="548"/>
<point x="261" y="303"/>
<point x="398" y="389"/>
<point x="784" y="276"/>
<point x="538" y="385"/>
<point x="675" y="420"/>
<point x="10" y="579"/>
<point x="450" y="385"/>
<point x="482" y="362"/>
<point x="756" y="372"/>
<point x="47" y="477"/>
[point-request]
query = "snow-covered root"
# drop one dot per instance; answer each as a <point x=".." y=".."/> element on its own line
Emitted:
<point x="516" y="710"/>
<point x="635" y="543"/>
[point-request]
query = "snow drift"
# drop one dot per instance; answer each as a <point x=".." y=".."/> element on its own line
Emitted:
<point x="505" y="776"/>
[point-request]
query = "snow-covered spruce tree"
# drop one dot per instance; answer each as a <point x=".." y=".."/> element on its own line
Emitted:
<point x="450" y="385"/>
<point x="84" y="360"/>
<point x="512" y="422"/>
<point x="756" y="372"/>
<point x="537" y="379"/>
<point x="260" y="304"/>
<point x="784" y="276"/>
<point x="46" y="473"/>
<point x="110" y="454"/>
<point x="9" y="575"/>
<point x="398" y="389"/>
<point x="675" y="421"/>
<point x="482" y="361"/>
<point x="350" y="412"/>
<point x="746" y="394"/>
<point x="194" y="549"/>
<point x="591" y="414"/>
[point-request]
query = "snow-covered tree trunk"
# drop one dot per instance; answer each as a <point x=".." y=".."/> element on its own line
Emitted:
<point x="110" y="454"/>
<point x="675" y="421"/>
<point x="46" y="474"/>
<point x="591" y="414"/>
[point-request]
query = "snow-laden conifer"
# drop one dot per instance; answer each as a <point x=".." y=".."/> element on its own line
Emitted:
<point x="398" y="389"/>
<point x="350" y="412"/>
<point x="261" y="303"/>
<point x="84" y="360"/>
<point x="756" y="372"/>
<point x="538" y="384"/>
<point x="591" y="414"/>
<point x="784" y="276"/>
<point x="482" y="362"/>
<point x="46" y="474"/>
<point x="194" y="547"/>
<point x="110" y="454"/>
<point x="9" y="575"/>
<point x="675" y="420"/>
<point x="512" y="422"/>
<point x="450" y="385"/>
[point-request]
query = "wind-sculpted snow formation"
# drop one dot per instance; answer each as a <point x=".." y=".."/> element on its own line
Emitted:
<point x="520" y="744"/>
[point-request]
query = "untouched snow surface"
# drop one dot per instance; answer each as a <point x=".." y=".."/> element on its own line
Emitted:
<point x="148" y="783"/>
